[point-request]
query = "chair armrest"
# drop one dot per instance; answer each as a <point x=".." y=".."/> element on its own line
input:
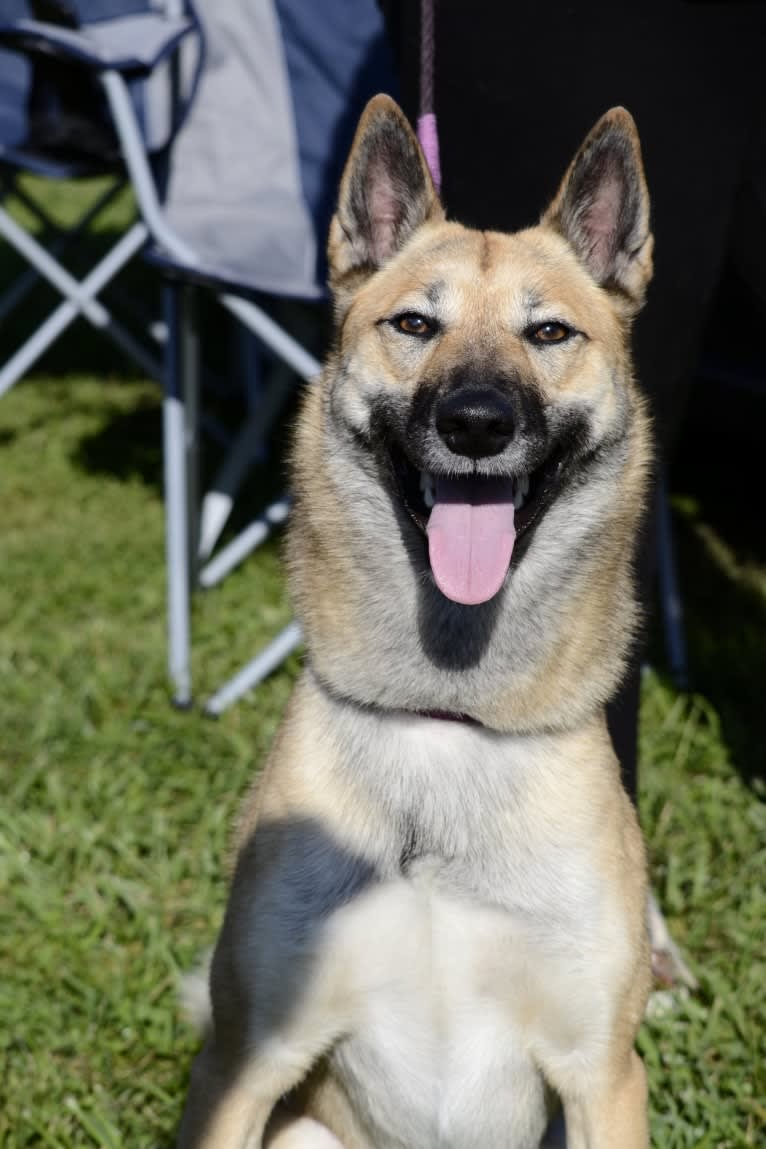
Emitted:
<point x="133" y="45"/>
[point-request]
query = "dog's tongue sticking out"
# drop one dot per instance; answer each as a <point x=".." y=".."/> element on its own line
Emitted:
<point x="470" y="537"/>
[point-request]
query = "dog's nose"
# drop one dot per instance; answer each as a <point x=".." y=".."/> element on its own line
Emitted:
<point x="475" y="422"/>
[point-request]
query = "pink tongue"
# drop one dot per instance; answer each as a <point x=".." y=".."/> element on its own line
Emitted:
<point x="470" y="537"/>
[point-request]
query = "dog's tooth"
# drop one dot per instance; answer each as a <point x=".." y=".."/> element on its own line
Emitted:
<point x="427" y="487"/>
<point x="520" y="491"/>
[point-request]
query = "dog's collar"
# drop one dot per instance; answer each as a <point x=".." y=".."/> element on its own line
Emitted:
<point x="439" y="715"/>
<point x="445" y="716"/>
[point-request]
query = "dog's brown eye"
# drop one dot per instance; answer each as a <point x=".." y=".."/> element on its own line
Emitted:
<point x="413" y="324"/>
<point x="549" y="333"/>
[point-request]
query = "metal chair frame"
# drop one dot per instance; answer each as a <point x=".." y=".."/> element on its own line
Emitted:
<point x="190" y="537"/>
<point x="187" y="545"/>
<point x="79" y="297"/>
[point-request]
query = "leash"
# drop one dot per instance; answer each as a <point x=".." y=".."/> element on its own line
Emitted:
<point x="428" y="134"/>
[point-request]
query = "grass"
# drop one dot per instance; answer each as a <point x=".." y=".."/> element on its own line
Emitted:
<point x="115" y="809"/>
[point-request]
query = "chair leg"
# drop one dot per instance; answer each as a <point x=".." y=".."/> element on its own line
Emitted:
<point x="177" y="548"/>
<point x="249" y="442"/>
<point x="219" y="499"/>
<point x="266" y="661"/>
<point x="190" y="381"/>
<point x="278" y="341"/>
<point x="56" y="240"/>
<point x="79" y="299"/>
<point x="243" y="544"/>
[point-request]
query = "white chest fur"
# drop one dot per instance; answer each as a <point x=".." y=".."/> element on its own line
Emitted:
<point x="478" y="964"/>
<point x="437" y="1057"/>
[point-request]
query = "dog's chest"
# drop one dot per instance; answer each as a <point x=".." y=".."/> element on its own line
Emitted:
<point x="455" y="1002"/>
<point x="481" y="959"/>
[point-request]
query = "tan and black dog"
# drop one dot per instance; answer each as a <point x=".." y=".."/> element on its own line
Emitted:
<point x="437" y="920"/>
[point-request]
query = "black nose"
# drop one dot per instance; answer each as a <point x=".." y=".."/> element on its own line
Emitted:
<point x="475" y="422"/>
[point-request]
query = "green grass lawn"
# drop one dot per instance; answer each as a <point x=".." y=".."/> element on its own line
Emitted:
<point x="115" y="809"/>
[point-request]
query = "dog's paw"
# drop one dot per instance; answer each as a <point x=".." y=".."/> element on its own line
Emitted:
<point x="303" y="1133"/>
<point x="668" y="966"/>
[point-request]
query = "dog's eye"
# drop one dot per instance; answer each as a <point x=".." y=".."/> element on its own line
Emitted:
<point x="413" y="324"/>
<point x="551" y="332"/>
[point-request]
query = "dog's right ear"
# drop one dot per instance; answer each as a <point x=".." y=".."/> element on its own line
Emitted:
<point x="386" y="194"/>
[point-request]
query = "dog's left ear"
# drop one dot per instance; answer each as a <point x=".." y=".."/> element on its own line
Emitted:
<point x="602" y="207"/>
<point x="386" y="193"/>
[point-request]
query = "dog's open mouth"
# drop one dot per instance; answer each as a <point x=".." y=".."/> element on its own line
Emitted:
<point x="472" y="523"/>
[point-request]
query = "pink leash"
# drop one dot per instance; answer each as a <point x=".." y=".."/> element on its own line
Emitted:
<point x="428" y="134"/>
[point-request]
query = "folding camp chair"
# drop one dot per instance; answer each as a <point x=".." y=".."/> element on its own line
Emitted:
<point x="54" y="122"/>
<point x="244" y="211"/>
<point x="252" y="183"/>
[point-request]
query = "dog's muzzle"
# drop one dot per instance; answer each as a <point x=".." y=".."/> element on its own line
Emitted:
<point x="475" y="467"/>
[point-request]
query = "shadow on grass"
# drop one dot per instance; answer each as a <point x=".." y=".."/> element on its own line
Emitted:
<point x="717" y="482"/>
<point x="128" y="446"/>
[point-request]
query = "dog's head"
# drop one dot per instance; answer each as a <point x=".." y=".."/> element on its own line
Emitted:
<point x="476" y="449"/>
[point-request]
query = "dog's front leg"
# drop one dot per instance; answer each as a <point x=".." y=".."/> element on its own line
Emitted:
<point x="610" y="1112"/>
<point x="279" y="982"/>
<point x="229" y="1105"/>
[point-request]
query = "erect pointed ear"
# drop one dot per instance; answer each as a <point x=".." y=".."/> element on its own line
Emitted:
<point x="386" y="192"/>
<point x="602" y="207"/>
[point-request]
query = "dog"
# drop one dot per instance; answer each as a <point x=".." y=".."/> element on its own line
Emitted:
<point x="437" y="918"/>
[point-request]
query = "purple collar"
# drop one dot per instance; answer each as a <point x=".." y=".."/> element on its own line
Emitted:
<point x="446" y="716"/>
<point x="439" y="715"/>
